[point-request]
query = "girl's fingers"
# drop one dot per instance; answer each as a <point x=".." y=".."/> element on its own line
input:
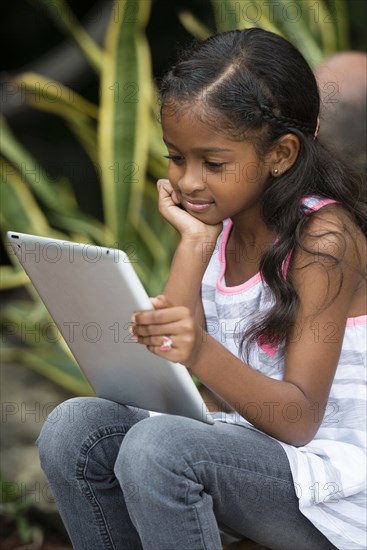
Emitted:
<point x="169" y="332"/>
<point x="165" y="190"/>
<point x="157" y="330"/>
<point x="160" y="316"/>
<point x="175" y="198"/>
<point x="164" y="186"/>
<point x="160" y="302"/>
<point x="155" y="341"/>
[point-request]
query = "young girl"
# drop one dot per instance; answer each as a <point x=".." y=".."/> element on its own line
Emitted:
<point x="265" y="304"/>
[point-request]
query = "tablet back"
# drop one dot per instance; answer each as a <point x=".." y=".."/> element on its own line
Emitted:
<point x="91" y="292"/>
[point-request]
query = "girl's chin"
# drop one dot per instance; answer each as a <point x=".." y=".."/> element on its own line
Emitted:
<point x="207" y="219"/>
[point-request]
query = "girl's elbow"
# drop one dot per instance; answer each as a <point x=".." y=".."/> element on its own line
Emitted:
<point x="300" y="441"/>
<point x="300" y="435"/>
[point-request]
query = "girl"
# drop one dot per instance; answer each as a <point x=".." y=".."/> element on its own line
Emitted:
<point x="265" y="304"/>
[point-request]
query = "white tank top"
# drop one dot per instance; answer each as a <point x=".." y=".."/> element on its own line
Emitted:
<point x="330" y="472"/>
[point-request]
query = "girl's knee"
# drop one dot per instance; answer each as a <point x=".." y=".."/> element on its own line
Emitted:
<point x="74" y="421"/>
<point x="69" y="424"/>
<point x="157" y="441"/>
<point x="65" y="423"/>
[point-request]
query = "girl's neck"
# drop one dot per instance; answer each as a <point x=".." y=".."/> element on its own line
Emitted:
<point x="245" y="246"/>
<point x="249" y="229"/>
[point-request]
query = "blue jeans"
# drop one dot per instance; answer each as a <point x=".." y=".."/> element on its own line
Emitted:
<point x="123" y="480"/>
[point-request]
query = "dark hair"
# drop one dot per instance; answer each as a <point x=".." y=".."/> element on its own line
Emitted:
<point x="257" y="85"/>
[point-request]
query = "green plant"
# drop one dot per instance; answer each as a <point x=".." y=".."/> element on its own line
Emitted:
<point x="122" y="138"/>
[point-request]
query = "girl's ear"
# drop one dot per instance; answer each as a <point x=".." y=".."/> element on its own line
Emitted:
<point x="284" y="154"/>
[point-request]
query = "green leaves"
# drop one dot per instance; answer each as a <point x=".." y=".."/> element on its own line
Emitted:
<point x="122" y="138"/>
<point x="32" y="198"/>
<point x="130" y="144"/>
<point x="123" y="132"/>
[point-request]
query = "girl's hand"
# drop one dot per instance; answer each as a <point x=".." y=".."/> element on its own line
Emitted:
<point x="170" y="325"/>
<point x="188" y="226"/>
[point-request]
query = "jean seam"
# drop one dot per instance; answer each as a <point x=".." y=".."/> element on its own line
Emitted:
<point x="197" y="517"/>
<point x="201" y="531"/>
<point x="85" y="486"/>
<point x="216" y="464"/>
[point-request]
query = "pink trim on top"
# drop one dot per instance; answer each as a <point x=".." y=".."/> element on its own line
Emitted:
<point x="314" y="208"/>
<point x="257" y="277"/>
<point x="222" y="259"/>
<point x="271" y="350"/>
<point x="356" y="321"/>
<point x="286" y="263"/>
<point x="320" y="204"/>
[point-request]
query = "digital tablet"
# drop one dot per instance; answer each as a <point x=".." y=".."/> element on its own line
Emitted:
<point x="91" y="292"/>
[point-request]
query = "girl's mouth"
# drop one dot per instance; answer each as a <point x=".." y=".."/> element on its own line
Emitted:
<point x="196" y="206"/>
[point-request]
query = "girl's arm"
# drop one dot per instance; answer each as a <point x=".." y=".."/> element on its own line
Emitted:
<point x="290" y="409"/>
<point x="186" y="273"/>
<point x="192" y="255"/>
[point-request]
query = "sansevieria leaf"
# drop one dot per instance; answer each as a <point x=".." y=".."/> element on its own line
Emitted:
<point x="125" y="118"/>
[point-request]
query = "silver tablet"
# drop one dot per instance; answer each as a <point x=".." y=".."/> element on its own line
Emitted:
<point x="91" y="292"/>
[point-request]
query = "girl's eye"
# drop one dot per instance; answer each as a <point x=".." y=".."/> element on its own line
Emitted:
<point x="175" y="158"/>
<point x="214" y="166"/>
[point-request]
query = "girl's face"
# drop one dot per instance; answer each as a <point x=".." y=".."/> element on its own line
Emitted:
<point x="213" y="176"/>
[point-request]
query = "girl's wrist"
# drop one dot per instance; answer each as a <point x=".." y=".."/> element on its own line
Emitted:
<point x="196" y="251"/>
<point x="199" y="241"/>
<point x="198" y="352"/>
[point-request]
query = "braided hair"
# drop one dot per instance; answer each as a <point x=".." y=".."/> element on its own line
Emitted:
<point x="285" y="122"/>
<point x="256" y="86"/>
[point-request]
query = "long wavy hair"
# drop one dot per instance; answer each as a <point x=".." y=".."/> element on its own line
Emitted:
<point x="257" y="86"/>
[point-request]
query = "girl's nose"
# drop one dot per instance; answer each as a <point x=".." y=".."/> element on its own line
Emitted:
<point x="191" y="181"/>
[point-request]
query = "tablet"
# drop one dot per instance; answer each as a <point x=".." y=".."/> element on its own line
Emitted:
<point x="91" y="292"/>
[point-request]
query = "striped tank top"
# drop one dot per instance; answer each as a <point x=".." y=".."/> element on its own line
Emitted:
<point x="329" y="472"/>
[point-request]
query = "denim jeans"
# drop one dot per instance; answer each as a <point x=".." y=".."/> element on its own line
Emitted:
<point x="126" y="481"/>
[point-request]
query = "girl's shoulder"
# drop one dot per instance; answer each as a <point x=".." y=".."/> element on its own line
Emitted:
<point x="321" y="209"/>
<point x="332" y="244"/>
<point x="330" y="224"/>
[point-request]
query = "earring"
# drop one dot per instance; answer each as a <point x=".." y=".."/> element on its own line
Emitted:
<point x="275" y="171"/>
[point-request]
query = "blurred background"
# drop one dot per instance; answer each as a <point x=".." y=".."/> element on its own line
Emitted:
<point x="81" y="151"/>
